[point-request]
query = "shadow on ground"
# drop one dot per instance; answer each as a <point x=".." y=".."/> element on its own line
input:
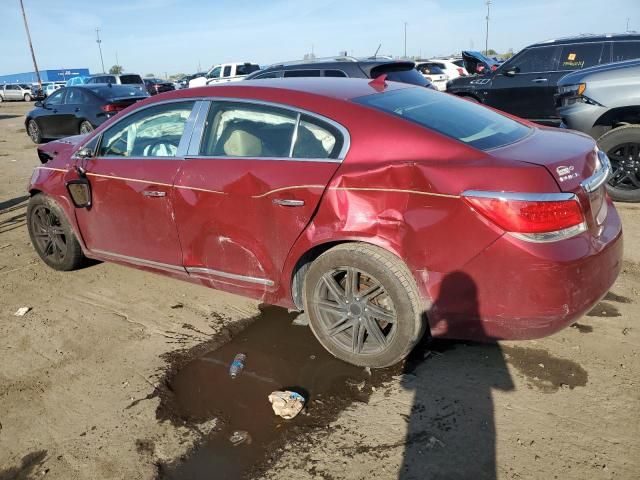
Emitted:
<point x="28" y="467"/>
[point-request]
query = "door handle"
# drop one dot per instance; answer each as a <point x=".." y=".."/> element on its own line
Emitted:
<point x="154" y="193"/>
<point x="539" y="80"/>
<point x="288" y="202"/>
<point x="77" y="109"/>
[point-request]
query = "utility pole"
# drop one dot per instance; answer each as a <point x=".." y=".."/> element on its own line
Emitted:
<point x="33" y="55"/>
<point x="405" y="39"/>
<point x="627" y="25"/>
<point x="486" y="38"/>
<point x="98" y="41"/>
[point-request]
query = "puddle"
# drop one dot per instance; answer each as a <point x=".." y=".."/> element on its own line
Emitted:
<point x="544" y="371"/>
<point x="582" y="328"/>
<point x="612" y="297"/>
<point x="604" y="309"/>
<point x="280" y="356"/>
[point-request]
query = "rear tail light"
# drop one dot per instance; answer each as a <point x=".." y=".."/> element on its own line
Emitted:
<point x="531" y="217"/>
<point x="460" y="72"/>
<point x="113" y="107"/>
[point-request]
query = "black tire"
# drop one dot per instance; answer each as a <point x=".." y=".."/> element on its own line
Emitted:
<point x="51" y="235"/>
<point x="622" y="146"/>
<point x="85" y="127"/>
<point x="27" y="97"/>
<point x="33" y="129"/>
<point x="395" y="309"/>
<point x="1" y="99"/>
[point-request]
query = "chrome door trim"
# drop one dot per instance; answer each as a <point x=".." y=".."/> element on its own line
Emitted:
<point x="232" y="276"/>
<point x="141" y="261"/>
<point x="600" y="175"/>
<point x="185" y="140"/>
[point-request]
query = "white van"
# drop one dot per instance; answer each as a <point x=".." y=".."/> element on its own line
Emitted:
<point x="226" y="72"/>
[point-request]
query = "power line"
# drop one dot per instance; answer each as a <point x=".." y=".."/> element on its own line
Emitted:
<point x="33" y="55"/>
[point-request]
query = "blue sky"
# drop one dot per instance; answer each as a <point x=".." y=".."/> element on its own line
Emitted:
<point x="158" y="36"/>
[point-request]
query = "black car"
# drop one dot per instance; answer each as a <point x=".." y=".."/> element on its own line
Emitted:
<point x="76" y="110"/>
<point x="155" y="86"/>
<point x="396" y="70"/>
<point x="526" y="83"/>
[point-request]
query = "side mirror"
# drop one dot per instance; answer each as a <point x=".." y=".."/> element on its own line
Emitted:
<point x="511" y="72"/>
<point x="84" y="153"/>
<point x="80" y="192"/>
<point x="38" y="104"/>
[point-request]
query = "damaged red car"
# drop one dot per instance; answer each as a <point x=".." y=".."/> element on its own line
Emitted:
<point x="382" y="210"/>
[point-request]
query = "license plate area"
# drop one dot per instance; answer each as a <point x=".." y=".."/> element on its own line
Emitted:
<point x="598" y="203"/>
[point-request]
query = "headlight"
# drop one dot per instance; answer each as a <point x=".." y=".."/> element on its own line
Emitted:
<point x="573" y="90"/>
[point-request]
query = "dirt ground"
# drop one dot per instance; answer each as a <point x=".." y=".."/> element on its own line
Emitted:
<point x="78" y="374"/>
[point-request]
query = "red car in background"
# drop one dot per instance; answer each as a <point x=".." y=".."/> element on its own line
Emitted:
<point x="381" y="209"/>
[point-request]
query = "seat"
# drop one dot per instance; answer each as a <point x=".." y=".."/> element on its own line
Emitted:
<point x="241" y="143"/>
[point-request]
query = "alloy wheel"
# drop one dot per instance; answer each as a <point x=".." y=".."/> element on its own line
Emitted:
<point x="625" y="163"/>
<point x="34" y="131"/>
<point x="48" y="234"/>
<point x="355" y="311"/>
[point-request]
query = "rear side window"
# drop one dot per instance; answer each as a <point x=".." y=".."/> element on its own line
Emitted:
<point x="625" y="50"/>
<point x="302" y="73"/>
<point x="246" y="69"/>
<point x="579" y="56"/>
<point x="534" y="60"/>
<point x="460" y="119"/>
<point x="334" y="73"/>
<point x="246" y="130"/>
<point x="131" y="80"/>
<point x="316" y="139"/>
<point x="267" y="75"/>
<point x="75" y="96"/>
<point x="227" y="71"/>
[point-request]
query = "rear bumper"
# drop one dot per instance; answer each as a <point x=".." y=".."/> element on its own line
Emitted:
<point x="521" y="290"/>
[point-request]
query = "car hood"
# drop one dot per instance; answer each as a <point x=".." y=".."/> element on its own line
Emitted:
<point x="65" y="146"/>
<point x="570" y="157"/>
<point x="579" y="75"/>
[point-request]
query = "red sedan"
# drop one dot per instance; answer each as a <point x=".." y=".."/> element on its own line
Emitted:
<point x="381" y="209"/>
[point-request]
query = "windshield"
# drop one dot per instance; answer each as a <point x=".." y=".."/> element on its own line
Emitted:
<point x="460" y="119"/>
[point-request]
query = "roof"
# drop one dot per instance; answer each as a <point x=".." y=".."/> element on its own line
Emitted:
<point x="589" y="38"/>
<point x="338" y="88"/>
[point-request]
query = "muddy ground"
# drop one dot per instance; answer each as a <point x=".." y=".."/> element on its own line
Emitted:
<point x="116" y="373"/>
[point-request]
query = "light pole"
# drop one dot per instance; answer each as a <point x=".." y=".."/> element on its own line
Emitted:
<point x="486" y="38"/>
<point x="98" y="41"/>
<point x="405" y="39"/>
<point x="33" y="55"/>
<point x="627" y="25"/>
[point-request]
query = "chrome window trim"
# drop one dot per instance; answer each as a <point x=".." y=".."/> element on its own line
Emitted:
<point x="526" y="197"/>
<point x="194" y="150"/>
<point x="231" y="276"/>
<point x="294" y="137"/>
<point x="549" y="237"/>
<point x="601" y="174"/>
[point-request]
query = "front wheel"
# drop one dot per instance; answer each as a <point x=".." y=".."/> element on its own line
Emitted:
<point x="622" y="146"/>
<point x="34" y="131"/>
<point x="363" y="305"/>
<point x="52" y="235"/>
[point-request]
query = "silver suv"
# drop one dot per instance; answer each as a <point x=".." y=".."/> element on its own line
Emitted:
<point x="132" y="79"/>
<point x="604" y="102"/>
<point x="15" y="92"/>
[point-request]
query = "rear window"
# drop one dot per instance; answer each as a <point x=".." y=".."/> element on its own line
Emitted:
<point x="131" y="80"/>
<point x="246" y="69"/>
<point x="460" y="119"/>
<point x="115" y="91"/>
<point x="334" y="73"/>
<point x="302" y="73"/>
<point x="400" y="73"/>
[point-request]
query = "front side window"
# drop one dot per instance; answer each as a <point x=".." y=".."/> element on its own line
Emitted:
<point x="460" y="119"/>
<point x="302" y="73"/>
<point x="534" y="60"/>
<point x="579" y="56"/>
<point x="246" y="130"/>
<point x="227" y="71"/>
<point x="153" y="132"/>
<point x="215" y="73"/>
<point x="56" y="98"/>
<point x="626" y="50"/>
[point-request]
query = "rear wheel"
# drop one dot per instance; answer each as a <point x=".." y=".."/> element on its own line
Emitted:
<point x="622" y="146"/>
<point x="27" y="97"/>
<point x="51" y="235"/>
<point x="34" y="131"/>
<point x="363" y="305"/>
<point x="85" y="127"/>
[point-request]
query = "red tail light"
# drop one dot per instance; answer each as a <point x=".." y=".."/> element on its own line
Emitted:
<point x="461" y="72"/>
<point x="112" y="107"/>
<point x="556" y="216"/>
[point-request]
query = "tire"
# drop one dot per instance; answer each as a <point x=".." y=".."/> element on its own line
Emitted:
<point x="85" y="127"/>
<point x="27" y="97"/>
<point x="622" y="146"/>
<point x="339" y="322"/>
<point x="52" y="236"/>
<point x="1" y="99"/>
<point x="33" y="129"/>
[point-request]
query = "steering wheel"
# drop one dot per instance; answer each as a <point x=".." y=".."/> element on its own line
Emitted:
<point x="161" y="148"/>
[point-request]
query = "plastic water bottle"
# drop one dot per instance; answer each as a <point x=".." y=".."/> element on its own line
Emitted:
<point x="237" y="365"/>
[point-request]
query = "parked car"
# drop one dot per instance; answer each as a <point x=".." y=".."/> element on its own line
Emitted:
<point x="155" y="86"/>
<point x="604" y="102"/>
<point x="477" y="63"/>
<point x="434" y="74"/>
<point x="361" y="202"/>
<point x="525" y="84"/>
<point x="132" y="79"/>
<point x="395" y="70"/>
<point x="226" y="72"/>
<point x="79" y="80"/>
<point x="15" y="91"/>
<point x="49" y="88"/>
<point x="184" y="82"/>
<point x="451" y="69"/>
<point x="78" y="110"/>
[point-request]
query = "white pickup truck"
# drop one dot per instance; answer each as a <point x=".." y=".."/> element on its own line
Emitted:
<point x="226" y="72"/>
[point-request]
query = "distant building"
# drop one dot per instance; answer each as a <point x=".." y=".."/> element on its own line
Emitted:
<point x="45" y="75"/>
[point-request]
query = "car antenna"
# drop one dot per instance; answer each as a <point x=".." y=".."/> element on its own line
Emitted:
<point x="379" y="83"/>
<point x="375" y="55"/>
